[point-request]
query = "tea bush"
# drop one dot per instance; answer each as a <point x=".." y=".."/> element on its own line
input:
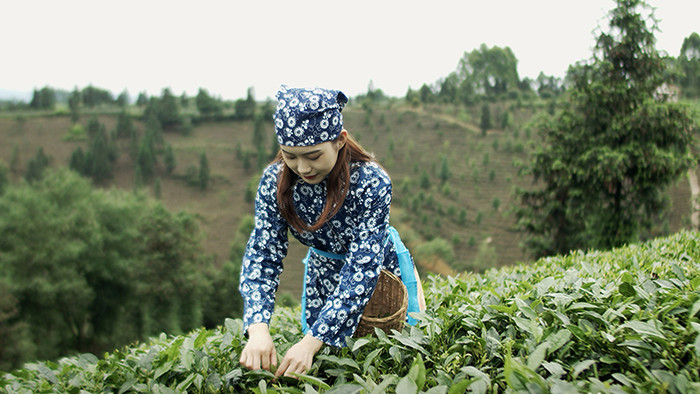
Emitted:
<point x="619" y="321"/>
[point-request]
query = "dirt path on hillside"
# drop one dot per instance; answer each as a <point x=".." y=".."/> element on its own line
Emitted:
<point x="694" y="198"/>
<point x="446" y="118"/>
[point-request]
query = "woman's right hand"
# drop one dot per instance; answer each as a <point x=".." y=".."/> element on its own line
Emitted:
<point x="260" y="350"/>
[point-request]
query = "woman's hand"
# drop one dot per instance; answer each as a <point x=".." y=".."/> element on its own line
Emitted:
<point x="260" y="350"/>
<point x="299" y="357"/>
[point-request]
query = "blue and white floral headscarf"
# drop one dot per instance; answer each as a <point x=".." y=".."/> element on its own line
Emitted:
<point x="306" y="117"/>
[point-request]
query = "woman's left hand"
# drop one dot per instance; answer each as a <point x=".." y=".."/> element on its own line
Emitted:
<point x="299" y="357"/>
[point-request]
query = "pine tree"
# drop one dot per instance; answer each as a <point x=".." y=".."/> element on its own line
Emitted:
<point x="146" y="159"/>
<point x="77" y="161"/>
<point x="36" y="166"/>
<point x="169" y="159"/>
<point x="444" y="173"/>
<point x="612" y="149"/>
<point x="485" y="123"/>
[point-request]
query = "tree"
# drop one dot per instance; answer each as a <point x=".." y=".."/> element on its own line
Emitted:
<point x="611" y="151"/>
<point x="689" y="62"/>
<point x="125" y="126"/>
<point x="203" y="171"/>
<point x="4" y="177"/>
<point x="485" y="123"/>
<point x="146" y="159"/>
<point x="489" y="71"/>
<point x="45" y="98"/>
<point x="245" y="109"/>
<point x="123" y="99"/>
<point x="89" y="269"/>
<point x="74" y="105"/>
<point x="77" y="161"/>
<point x="168" y="110"/>
<point x="100" y="156"/>
<point x="36" y="166"/>
<point x="169" y="159"/>
<point x="444" y="173"/>
<point x="207" y="106"/>
<point x="258" y="132"/>
<point x="93" y="96"/>
<point x="142" y="99"/>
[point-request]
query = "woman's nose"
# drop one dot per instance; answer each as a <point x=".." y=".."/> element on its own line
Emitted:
<point x="303" y="167"/>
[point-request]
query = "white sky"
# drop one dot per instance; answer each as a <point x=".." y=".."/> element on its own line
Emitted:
<point x="228" y="46"/>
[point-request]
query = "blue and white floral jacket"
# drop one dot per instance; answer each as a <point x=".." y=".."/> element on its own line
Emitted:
<point x="337" y="290"/>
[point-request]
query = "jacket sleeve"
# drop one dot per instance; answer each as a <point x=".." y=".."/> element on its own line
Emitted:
<point x="264" y="252"/>
<point x="341" y="313"/>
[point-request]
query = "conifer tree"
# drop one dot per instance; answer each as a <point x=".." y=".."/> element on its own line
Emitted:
<point x="74" y="105"/>
<point x="77" y="161"/>
<point x="36" y="166"/>
<point x="146" y="159"/>
<point x="485" y="123"/>
<point x="613" y="148"/>
<point x="169" y="159"/>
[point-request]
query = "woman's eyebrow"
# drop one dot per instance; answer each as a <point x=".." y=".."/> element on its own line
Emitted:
<point x="303" y="154"/>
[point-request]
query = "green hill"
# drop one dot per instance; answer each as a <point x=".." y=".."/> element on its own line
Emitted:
<point x="460" y="223"/>
<point x="619" y="321"/>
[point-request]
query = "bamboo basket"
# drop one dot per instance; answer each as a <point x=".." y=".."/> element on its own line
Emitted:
<point x="386" y="308"/>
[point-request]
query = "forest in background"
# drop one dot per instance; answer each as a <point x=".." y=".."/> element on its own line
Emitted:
<point x="455" y="150"/>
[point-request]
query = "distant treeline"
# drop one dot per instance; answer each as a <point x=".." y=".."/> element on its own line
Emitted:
<point x="490" y="74"/>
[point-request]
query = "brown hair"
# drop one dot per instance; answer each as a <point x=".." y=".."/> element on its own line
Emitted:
<point x="337" y="184"/>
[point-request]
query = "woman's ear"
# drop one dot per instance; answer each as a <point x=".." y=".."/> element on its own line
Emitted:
<point x="341" y="139"/>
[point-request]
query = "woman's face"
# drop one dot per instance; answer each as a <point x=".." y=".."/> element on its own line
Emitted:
<point x="313" y="163"/>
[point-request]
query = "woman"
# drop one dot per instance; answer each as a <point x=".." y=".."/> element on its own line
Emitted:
<point x="333" y="197"/>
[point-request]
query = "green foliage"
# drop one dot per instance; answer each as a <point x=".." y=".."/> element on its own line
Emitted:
<point x="44" y="98"/>
<point x="100" y="157"/>
<point x="92" y="96"/>
<point x="613" y="148"/>
<point x="125" y="126"/>
<point x="169" y="159"/>
<point x="147" y="159"/>
<point x="485" y="123"/>
<point x="36" y="166"/>
<point x="208" y="106"/>
<point x="689" y="63"/>
<point x="74" y="105"/>
<point x="75" y="133"/>
<point x="168" y="110"/>
<point x="245" y="109"/>
<point x="4" y="177"/>
<point x="444" y="173"/>
<point x="424" y="180"/>
<point x="258" y="132"/>
<point x="86" y="270"/>
<point x="436" y="248"/>
<point x="621" y="321"/>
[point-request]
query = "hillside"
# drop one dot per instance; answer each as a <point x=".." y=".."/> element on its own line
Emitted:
<point x="469" y="211"/>
<point x="619" y="321"/>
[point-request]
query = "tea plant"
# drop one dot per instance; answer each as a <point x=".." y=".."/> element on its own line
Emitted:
<point x="626" y="320"/>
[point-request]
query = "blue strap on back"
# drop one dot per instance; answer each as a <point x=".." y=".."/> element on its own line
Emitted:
<point x="408" y="276"/>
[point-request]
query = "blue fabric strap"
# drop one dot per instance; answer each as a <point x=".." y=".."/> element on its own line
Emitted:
<point x="408" y="276"/>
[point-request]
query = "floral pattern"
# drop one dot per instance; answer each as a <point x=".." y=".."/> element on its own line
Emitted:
<point x="307" y="117"/>
<point x="336" y="290"/>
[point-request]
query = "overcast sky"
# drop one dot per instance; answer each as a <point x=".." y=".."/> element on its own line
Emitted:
<point x="228" y="46"/>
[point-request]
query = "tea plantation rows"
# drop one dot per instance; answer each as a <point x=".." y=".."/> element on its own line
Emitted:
<point x="621" y="321"/>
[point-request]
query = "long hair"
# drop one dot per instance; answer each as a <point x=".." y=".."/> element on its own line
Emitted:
<point x="338" y="184"/>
